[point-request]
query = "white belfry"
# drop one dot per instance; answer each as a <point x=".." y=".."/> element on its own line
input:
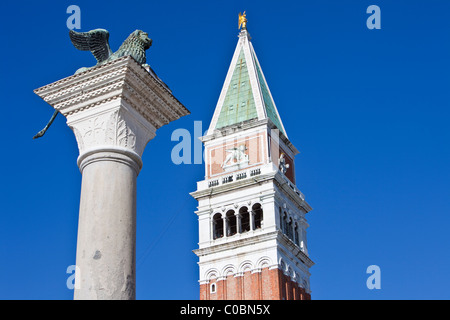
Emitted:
<point x="114" y="110"/>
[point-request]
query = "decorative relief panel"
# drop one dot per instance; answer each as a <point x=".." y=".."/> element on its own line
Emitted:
<point x="119" y="133"/>
<point x="115" y="128"/>
<point x="235" y="154"/>
<point x="93" y="131"/>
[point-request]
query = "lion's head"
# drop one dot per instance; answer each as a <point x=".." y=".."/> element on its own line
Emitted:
<point x="143" y="36"/>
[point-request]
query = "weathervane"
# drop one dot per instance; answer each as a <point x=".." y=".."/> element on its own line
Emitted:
<point x="242" y="21"/>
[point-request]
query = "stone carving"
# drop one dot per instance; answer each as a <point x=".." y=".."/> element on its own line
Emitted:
<point x="97" y="42"/>
<point x="93" y="131"/>
<point x="79" y="138"/>
<point x="119" y="133"/>
<point x="113" y="128"/>
<point x="235" y="156"/>
<point x="282" y="164"/>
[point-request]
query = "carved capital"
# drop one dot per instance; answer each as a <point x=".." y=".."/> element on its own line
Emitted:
<point x="116" y="127"/>
<point x="116" y="105"/>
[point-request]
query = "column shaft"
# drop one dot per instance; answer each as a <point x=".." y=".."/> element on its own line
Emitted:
<point x="107" y="227"/>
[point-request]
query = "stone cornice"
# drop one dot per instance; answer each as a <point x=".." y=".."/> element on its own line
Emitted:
<point x="233" y="186"/>
<point x="276" y="177"/>
<point x="293" y="249"/>
<point x="123" y="79"/>
<point x="238" y="127"/>
<point x="271" y="126"/>
<point x="238" y="243"/>
<point x="299" y="200"/>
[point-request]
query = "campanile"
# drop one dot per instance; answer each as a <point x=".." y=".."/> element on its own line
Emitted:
<point x="251" y="214"/>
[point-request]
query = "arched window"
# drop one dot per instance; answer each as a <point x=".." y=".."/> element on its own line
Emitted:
<point x="285" y="223"/>
<point x="213" y="288"/>
<point x="281" y="218"/>
<point x="296" y="241"/>
<point x="258" y="215"/>
<point x="217" y="226"/>
<point x="289" y="228"/>
<point x="245" y="219"/>
<point x="231" y="223"/>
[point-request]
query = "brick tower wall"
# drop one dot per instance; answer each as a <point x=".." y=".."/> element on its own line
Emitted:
<point x="265" y="285"/>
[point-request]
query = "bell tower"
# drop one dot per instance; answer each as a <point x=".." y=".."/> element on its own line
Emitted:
<point x="251" y="214"/>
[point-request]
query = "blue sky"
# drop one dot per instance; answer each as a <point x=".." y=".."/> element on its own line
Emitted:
<point x="368" y="110"/>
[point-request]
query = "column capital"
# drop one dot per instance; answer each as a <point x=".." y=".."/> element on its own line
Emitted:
<point x="119" y="104"/>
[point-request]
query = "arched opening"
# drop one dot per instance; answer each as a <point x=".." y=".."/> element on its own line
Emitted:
<point x="296" y="241"/>
<point x="217" y="226"/>
<point x="285" y="223"/>
<point x="245" y="219"/>
<point x="280" y="214"/>
<point x="231" y="223"/>
<point x="258" y="215"/>
<point x="290" y="228"/>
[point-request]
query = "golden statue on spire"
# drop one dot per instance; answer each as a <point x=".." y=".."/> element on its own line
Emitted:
<point x="242" y="21"/>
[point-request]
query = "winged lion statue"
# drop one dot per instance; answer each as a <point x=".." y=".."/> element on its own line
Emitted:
<point x="97" y="42"/>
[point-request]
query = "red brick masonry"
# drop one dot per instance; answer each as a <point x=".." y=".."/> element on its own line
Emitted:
<point x="265" y="285"/>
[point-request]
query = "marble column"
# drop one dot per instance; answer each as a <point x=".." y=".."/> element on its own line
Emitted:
<point x="114" y="110"/>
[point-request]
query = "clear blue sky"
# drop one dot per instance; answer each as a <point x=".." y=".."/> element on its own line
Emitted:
<point x="368" y="109"/>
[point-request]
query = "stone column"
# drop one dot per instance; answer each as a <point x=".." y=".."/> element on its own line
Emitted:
<point x="225" y="226"/>
<point x="114" y="110"/>
<point x="251" y="219"/>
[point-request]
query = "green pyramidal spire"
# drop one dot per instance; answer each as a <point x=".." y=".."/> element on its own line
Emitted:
<point x="245" y="95"/>
<point x="239" y="104"/>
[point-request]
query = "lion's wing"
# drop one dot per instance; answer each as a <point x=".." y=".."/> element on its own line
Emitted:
<point x="96" y="41"/>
